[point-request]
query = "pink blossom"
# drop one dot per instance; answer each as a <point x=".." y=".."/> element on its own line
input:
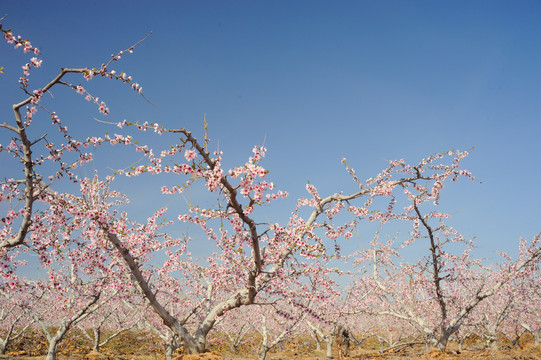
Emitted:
<point x="9" y="37"/>
<point x="88" y="75"/>
<point x="37" y="96"/>
<point x="190" y="155"/>
<point x="27" y="46"/>
<point x="122" y="124"/>
<point x="36" y="62"/>
<point x="103" y="108"/>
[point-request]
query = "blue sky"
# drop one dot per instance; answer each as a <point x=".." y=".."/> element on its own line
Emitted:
<point x="318" y="81"/>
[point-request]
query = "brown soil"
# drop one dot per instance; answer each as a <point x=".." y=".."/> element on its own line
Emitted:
<point x="527" y="353"/>
<point x="205" y="356"/>
<point x="142" y="346"/>
<point x="530" y="352"/>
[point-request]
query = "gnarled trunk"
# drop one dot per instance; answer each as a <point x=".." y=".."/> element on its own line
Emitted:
<point x="54" y="341"/>
<point x="440" y="342"/>
<point x="170" y="346"/>
<point x="4" y="345"/>
<point x="197" y="346"/>
<point x="262" y="354"/>
<point x="97" y="339"/>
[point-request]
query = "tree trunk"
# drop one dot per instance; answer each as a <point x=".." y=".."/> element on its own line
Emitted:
<point x="194" y="348"/>
<point x="431" y="341"/>
<point x="536" y="334"/>
<point x="170" y="346"/>
<point x="97" y="339"/>
<point x="316" y="339"/>
<point x="53" y="347"/>
<point x="441" y="344"/>
<point x="491" y="337"/>
<point x="492" y="341"/>
<point x="461" y="344"/>
<point x="168" y="351"/>
<point x="262" y="355"/>
<point x="9" y="338"/>
<point x="381" y="348"/>
<point x="195" y="345"/>
<point x="536" y="337"/>
<point x="329" y="349"/>
<point x="55" y="340"/>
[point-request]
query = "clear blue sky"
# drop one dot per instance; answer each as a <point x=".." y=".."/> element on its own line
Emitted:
<point x="320" y="80"/>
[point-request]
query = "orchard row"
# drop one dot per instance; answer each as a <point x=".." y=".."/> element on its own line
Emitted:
<point x="101" y="265"/>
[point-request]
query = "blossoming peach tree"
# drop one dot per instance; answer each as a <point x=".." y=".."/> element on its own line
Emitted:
<point x="442" y="290"/>
<point x="250" y="257"/>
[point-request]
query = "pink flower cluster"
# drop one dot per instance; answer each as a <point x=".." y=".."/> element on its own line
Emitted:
<point x="30" y="111"/>
<point x="19" y="42"/>
<point x="249" y="173"/>
<point x="36" y="96"/>
<point x="27" y="46"/>
<point x="190" y="155"/>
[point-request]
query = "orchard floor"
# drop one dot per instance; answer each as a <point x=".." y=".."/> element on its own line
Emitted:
<point x="529" y="352"/>
<point x="138" y="345"/>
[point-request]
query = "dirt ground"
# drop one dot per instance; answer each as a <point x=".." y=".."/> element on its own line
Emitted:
<point x="141" y="346"/>
<point x="529" y="352"/>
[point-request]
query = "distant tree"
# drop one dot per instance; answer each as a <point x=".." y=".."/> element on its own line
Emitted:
<point x="440" y="291"/>
<point x="13" y="320"/>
